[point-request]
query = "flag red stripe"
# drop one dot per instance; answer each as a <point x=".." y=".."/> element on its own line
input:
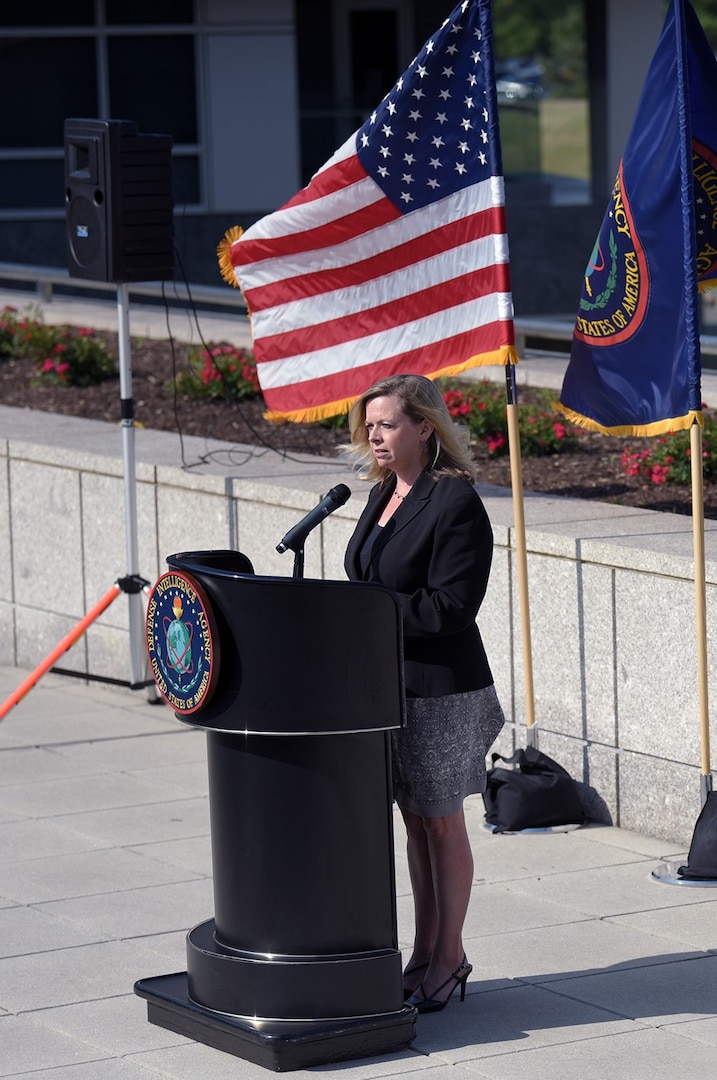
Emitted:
<point x="395" y="313"/>
<point x="453" y="235"/>
<point x="245" y="253"/>
<point x="330" y="179"/>
<point x="350" y="384"/>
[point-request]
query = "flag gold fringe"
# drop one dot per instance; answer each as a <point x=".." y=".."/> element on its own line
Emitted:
<point x="312" y="414"/>
<point x="659" y="427"/>
<point x="224" y="249"/>
<point x="505" y="355"/>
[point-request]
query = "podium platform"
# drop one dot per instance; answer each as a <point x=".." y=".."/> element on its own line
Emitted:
<point x="297" y="684"/>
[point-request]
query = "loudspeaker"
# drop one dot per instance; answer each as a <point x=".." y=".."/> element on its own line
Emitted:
<point x="118" y="202"/>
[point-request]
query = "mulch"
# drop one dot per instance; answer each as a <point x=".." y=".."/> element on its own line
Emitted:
<point x="591" y="471"/>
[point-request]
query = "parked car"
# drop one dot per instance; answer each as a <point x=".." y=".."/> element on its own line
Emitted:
<point x="519" y="80"/>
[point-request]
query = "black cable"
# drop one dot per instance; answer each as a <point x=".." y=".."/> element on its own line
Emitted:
<point x="263" y="445"/>
<point x="257" y="435"/>
<point x="175" y="392"/>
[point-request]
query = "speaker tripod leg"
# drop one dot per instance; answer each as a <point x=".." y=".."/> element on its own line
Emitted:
<point x="69" y="640"/>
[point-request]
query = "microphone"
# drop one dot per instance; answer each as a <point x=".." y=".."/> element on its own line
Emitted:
<point x="295" y="537"/>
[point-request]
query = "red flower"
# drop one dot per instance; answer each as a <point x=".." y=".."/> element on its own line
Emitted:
<point x="659" y="473"/>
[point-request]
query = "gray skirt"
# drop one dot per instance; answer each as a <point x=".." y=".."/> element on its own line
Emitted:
<point x="438" y="758"/>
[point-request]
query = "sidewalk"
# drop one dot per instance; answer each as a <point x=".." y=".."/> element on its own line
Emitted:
<point x="584" y="966"/>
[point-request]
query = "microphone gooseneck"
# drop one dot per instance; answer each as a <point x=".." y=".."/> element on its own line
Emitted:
<point x="296" y="536"/>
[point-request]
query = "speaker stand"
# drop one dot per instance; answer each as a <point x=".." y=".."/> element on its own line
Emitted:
<point x="137" y="652"/>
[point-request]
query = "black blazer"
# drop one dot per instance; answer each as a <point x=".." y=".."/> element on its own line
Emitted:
<point x="435" y="553"/>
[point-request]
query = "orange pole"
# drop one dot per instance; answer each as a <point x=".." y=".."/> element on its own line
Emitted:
<point x="57" y="652"/>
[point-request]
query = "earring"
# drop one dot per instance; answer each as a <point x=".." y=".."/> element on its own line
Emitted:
<point x="438" y="449"/>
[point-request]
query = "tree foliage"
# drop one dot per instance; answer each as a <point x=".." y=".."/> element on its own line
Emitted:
<point x="553" y="36"/>
<point x="707" y="14"/>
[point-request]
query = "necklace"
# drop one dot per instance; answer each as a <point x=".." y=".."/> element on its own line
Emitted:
<point x="402" y="497"/>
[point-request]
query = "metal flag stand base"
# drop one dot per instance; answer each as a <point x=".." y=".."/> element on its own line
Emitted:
<point x="667" y="874"/>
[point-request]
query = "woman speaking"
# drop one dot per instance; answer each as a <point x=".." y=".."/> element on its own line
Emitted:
<point x="426" y="536"/>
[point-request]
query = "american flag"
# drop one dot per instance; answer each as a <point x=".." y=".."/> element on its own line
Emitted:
<point x="395" y="256"/>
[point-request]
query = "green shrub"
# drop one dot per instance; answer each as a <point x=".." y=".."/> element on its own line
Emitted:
<point x="221" y="372"/>
<point x="8" y="328"/>
<point x="60" y="354"/>
<point x="481" y="407"/>
<point x="666" y="459"/>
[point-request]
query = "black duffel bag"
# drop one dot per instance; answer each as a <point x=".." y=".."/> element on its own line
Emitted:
<point x="537" y="794"/>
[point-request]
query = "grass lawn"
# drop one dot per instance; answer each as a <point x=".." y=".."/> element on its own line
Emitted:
<point x="550" y="136"/>
<point x="565" y="137"/>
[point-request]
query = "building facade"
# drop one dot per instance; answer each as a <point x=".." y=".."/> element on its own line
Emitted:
<point x="257" y="94"/>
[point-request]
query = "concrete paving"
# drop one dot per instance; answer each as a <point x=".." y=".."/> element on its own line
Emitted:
<point x="584" y="966"/>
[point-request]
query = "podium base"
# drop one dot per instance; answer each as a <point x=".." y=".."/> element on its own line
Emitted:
<point x="281" y="1046"/>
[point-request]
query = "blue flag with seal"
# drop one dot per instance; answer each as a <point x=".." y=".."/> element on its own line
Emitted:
<point x="635" y="359"/>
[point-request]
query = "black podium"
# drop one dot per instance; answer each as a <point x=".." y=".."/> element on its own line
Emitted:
<point x="297" y="683"/>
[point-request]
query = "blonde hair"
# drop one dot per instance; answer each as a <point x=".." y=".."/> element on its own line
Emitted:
<point x="448" y="446"/>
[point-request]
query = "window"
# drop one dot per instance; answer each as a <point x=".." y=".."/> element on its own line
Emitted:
<point x="134" y="61"/>
<point x="541" y="79"/>
<point x="33" y="109"/>
<point x="371" y="46"/>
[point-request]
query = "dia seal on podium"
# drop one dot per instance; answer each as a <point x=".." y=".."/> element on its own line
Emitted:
<point x="182" y="642"/>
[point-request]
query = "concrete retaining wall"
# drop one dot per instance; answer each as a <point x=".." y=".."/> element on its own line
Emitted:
<point x="614" y="655"/>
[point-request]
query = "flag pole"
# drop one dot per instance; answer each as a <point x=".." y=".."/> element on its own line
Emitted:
<point x="698" y="541"/>
<point x="671" y="873"/>
<point x="516" y="480"/>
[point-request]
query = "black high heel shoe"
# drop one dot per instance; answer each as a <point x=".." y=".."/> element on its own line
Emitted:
<point x="423" y="1003"/>
<point x="412" y="971"/>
